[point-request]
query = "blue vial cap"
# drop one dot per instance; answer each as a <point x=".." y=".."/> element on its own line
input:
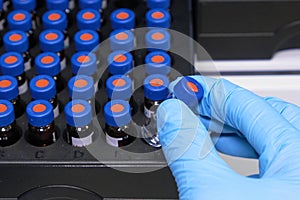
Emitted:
<point x="28" y="5"/>
<point x="164" y="4"/>
<point x="84" y="63"/>
<point x="42" y="87"/>
<point x="189" y="91"/>
<point x="158" y="18"/>
<point x="117" y="113"/>
<point x="1" y="5"/>
<point x="51" y="40"/>
<point x="8" y="87"/>
<point x="40" y="113"/>
<point x="19" y="20"/>
<point x="93" y="4"/>
<point x="158" y="62"/>
<point x="12" y="63"/>
<point x="55" y="19"/>
<point x="47" y="63"/>
<point x="120" y="62"/>
<point x="158" y="39"/>
<point x="156" y="87"/>
<point x="88" y="19"/>
<point x="119" y="87"/>
<point x="16" y="41"/>
<point x="7" y="114"/>
<point x="121" y="39"/>
<point x="122" y="18"/>
<point x="57" y="4"/>
<point x="78" y="113"/>
<point x="86" y="40"/>
<point x="81" y="87"/>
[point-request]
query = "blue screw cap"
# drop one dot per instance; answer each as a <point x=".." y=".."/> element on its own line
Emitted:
<point x="28" y="5"/>
<point x="57" y="4"/>
<point x="12" y="63"/>
<point x="189" y="91"/>
<point x="121" y="39"/>
<point x="16" y="41"/>
<point x="158" y="18"/>
<point x="55" y="19"/>
<point x="42" y="87"/>
<point x="47" y="63"/>
<point x="40" y="113"/>
<point x="84" y="63"/>
<point x="164" y="4"/>
<point x="7" y="114"/>
<point x="78" y="113"/>
<point x="120" y="62"/>
<point x="51" y="40"/>
<point x="156" y="87"/>
<point x="119" y="87"/>
<point x="93" y="4"/>
<point x="117" y="113"/>
<point x="122" y="18"/>
<point x="81" y="87"/>
<point x="158" y="39"/>
<point x="8" y="87"/>
<point x="158" y="62"/>
<point x="86" y="40"/>
<point x="19" y="20"/>
<point x="88" y="19"/>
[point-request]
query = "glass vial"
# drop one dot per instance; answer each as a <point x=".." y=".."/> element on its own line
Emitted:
<point x="85" y="63"/>
<point x="158" y="62"/>
<point x="43" y="87"/>
<point x="52" y="40"/>
<point x="48" y="63"/>
<point x="80" y="131"/>
<point x="41" y="127"/>
<point x="86" y="40"/>
<point x="121" y="39"/>
<point x="158" y="39"/>
<point x="118" y="127"/>
<point x="9" y="133"/>
<point x="158" y="18"/>
<point x="9" y="91"/>
<point x="155" y="91"/>
<point x="12" y="64"/>
<point x="21" y="20"/>
<point x="89" y="19"/>
<point x="57" y="19"/>
<point x="189" y="91"/>
<point x="122" y="18"/>
<point x="17" y="41"/>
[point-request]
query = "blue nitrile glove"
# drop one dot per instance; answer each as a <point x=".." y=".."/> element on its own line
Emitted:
<point x="198" y="170"/>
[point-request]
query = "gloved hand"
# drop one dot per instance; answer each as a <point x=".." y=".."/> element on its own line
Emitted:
<point x="270" y="128"/>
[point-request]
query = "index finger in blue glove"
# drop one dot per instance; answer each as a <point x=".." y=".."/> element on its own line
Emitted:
<point x="271" y="135"/>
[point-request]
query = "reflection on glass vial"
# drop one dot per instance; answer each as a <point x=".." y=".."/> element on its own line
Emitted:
<point x="41" y="127"/>
<point x="118" y="127"/>
<point x="52" y="40"/>
<point x="189" y="91"/>
<point x="158" y="39"/>
<point x="9" y="133"/>
<point x="17" y="41"/>
<point x="56" y="19"/>
<point x="9" y="91"/>
<point x="156" y="91"/>
<point x="48" y="63"/>
<point x="43" y="87"/>
<point x="80" y="131"/>
<point x="11" y="63"/>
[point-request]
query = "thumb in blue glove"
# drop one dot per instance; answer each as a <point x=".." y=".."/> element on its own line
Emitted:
<point x="184" y="139"/>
